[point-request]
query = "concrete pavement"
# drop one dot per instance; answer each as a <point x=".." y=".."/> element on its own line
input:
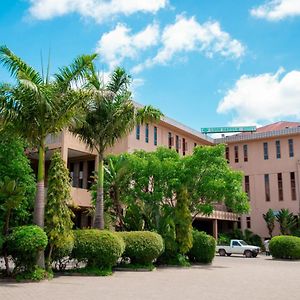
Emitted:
<point x="227" y="278"/>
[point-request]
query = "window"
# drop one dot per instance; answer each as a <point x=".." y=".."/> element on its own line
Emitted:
<point x="227" y="154"/>
<point x="184" y="146"/>
<point x="138" y="132"/>
<point x="80" y="177"/>
<point x="267" y="187"/>
<point x="248" y="221"/>
<point x="155" y="136"/>
<point x="278" y="154"/>
<point x="239" y="225"/>
<point x="235" y="243"/>
<point x="195" y="145"/>
<point x="72" y="174"/>
<point x="293" y="186"/>
<point x="280" y="187"/>
<point x="177" y="143"/>
<point x="291" y="148"/>
<point x="245" y="148"/>
<point x="170" y="140"/>
<point x="147" y="133"/>
<point x="247" y="186"/>
<point x="266" y="151"/>
<point x="236" y="154"/>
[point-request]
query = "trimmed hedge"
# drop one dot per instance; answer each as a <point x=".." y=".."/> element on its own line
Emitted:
<point x="142" y="247"/>
<point x="24" y="243"/>
<point x="204" y="247"/>
<point x="286" y="247"/>
<point x="64" y="249"/>
<point x="100" y="248"/>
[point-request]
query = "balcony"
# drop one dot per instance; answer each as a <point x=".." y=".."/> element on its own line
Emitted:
<point x="81" y="197"/>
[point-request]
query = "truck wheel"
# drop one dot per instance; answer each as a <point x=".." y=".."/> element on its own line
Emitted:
<point x="228" y="254"/>
<point x="222" y="252"/>
<point x="254" y="254"/>
<point x="248" y="253"/>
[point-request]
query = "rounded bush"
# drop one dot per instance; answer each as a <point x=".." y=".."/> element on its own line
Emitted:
<point x="204" y="247"/>
<point x="142" y="247"/>
<point x="286" y="247"/>
<point x="100" y="248"/>
<point x="64" y="248"/>
<point x="24" y="243"/>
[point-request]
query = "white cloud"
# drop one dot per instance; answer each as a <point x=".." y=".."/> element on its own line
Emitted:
<point x="99" y="10"/>
<point x="275" y="10"/>
<point x="187" y="35"/>
<point x="120" y="43"/>
<point x="263" y="98"/>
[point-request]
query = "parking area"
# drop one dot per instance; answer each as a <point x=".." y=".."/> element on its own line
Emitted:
<point x="231" y="278"/>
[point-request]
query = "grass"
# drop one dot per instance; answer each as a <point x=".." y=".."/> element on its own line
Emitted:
<point x="90" y="271"/>
<point x="149" y="267"/>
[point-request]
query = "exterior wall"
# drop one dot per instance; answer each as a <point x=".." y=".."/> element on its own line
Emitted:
<point x="257" y="167"/>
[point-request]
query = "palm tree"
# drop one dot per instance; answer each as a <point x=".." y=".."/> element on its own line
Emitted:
<point x="110" y="115"/>
<point x="269" y="217"/>
<point x="286" y="220"/>
<point x="38" y="106"/>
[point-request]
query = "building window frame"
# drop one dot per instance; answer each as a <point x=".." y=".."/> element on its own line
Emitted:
<point x="177" y="142"/>
<point x="248" y="222"/>
<point x="280" y="186"/>
<point x="266" y="151"/>
<point x="291" y="147"/>
<point x="155" y="135"/>
<point x="245" y="150"/>
<point x="170" y="140"/>
<point x="293" y="186"/>
<point x="247" y="185"/>
<point x="227" y="154"/>
<point x="278" y="152"/>
<point x="267" y="187"/>
<point x="236" y="154"/>
<point x="147" y="133"/>
<point x="184" y="146"/>
<point x="138" y="131"/>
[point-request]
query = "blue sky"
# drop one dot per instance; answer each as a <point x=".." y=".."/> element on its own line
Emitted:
<point x="202" y="62"/>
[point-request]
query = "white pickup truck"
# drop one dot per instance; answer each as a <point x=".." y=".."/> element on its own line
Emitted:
<point x="238" y="247"/>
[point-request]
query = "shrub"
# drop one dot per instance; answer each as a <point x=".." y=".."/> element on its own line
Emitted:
<point x="142" y="247"/>
<point x="64" y="248"/>
<point x="204" y="247"/>
<point x="1" y="242"/>
<point x="24" y="243"/>
<point x="100" y="248"/>
<point x="223" y="239"/>
<point x="286" y="247"/>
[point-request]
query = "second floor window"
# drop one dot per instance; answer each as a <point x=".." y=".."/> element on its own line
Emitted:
<point x="227" y="154"/>
<point x="184" y="146"/>
<point x="266" y="151"/>
<point x="267" y="187"/>
<point x="248" y="221"/>
<point x="138" y="132"/>
<point x="245" y="148"/>
<point x="291" y="147"/>
<point x="155" y="136"/>
<point x="280" y="186"/>
<point x="278" y="154"/>
<point x="170" y="140"/>
<point x="236" y="154"/>
<point x="147" y="133"/>
<point x="177" y="143"/>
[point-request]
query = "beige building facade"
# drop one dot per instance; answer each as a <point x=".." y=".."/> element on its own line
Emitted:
<point x="270" y="160"/>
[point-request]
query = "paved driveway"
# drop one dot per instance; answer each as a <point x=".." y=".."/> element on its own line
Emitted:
<point x="227" y="278"/>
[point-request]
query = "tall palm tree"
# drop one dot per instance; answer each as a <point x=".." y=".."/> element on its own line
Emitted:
<point x="110" y="115"/>
<point x="38" y="106"/>
<point x="270" y="218"/>
<point x="286" y="220"/>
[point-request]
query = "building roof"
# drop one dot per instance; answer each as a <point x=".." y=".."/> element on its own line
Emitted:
<point x="268" y="131"/>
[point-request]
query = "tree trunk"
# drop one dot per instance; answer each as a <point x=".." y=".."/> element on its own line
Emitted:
<point x="39" y="205"/>
<point x="99" y="212"/>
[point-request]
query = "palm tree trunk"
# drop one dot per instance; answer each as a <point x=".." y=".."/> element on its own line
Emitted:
<point x="39" y="205"/>
<point x="99" y="213"/>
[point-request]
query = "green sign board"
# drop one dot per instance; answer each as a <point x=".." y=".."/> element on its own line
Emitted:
<point x="228" y="129"/>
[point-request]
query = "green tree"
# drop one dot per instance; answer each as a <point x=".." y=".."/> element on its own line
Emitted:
<point x="110" y="116"/>
<point x="270" y="218"/>
<point x="183" y="223"/>
<point x="38" y="106"/>
<point x="58" y="215"/>
<point x="16" y="167"/>
<point x="286" y="220"/>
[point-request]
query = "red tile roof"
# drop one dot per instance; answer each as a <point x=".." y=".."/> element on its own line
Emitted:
<point x="278" y="126"/>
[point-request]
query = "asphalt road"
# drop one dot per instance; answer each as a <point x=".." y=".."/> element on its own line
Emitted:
<point x="227" y="278"/>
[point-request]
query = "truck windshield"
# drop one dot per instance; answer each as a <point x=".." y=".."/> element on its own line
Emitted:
<point x="243" y="243"/>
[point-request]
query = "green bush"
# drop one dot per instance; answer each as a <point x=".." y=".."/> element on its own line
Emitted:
<point x="286" y="247"/>
<point x="204" y="247"/>
<point x="1" y="242"/>
<point x="142" y="247"/>
<point x="100" y="248"/>
<point x="24" y="243"/>
<point x="64" y="248"/>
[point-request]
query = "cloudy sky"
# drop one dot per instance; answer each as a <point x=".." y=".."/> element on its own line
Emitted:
<point x="202" y="62"/>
